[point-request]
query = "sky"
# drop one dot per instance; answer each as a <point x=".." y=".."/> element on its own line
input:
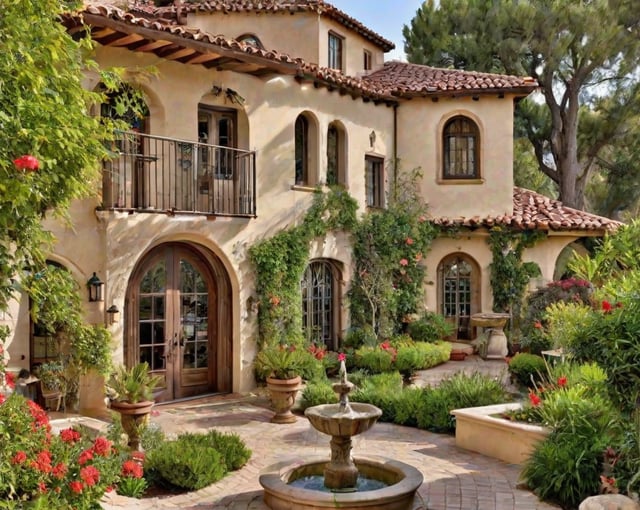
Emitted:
<point x="385" y="17"/>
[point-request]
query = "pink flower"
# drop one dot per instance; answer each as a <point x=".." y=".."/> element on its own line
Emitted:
<point x="534" y="399"/>
<point x="562" y="381"/>
<point x="26" y="162"/>
<point x="404" y="262"/>
<point x="342" y="356"/>
<point x="409" y="241"/>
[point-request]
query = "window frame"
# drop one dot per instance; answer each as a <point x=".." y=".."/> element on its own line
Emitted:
<point x="367" y="60"/>
<point x="301" y="151"/>
<point x="374" y="181"/>
<point x="463" y="131"/>
<point x="335" y="52"/>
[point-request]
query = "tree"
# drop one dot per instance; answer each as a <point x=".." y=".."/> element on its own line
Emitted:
<point x="578" y="51"/>
<point x="50" y="148"/>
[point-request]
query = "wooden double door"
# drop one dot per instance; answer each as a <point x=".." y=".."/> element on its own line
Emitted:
<point x="176" y="322"/>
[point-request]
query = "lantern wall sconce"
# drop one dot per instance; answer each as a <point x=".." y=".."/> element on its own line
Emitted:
<point x="95" y="286"/>
<point x="113" y="313"/>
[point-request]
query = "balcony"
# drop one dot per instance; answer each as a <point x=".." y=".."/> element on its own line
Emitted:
<point x="165" y="175"/>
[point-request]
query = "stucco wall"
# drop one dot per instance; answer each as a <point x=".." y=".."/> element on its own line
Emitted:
<point x="421" y="122"/>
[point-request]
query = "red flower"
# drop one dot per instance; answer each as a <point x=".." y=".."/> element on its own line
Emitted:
<point x="102" y="446"/>
<point x="131" y="469"/>
<point x="85" y="457"/>
<point x="69" y="435"/>
<point x="385" y="345"/>
<point x="404" y="262"/>
<point x="59" y="471"/>
<point x="90" y="475"/>
<point x="562" y="381"/>
<point x="26" y="162"/>
<point x="342" y="356"/>
<point x="606" y="306"/>
<point x="537" y="325"/>
<point x="534" y="399"/>
<point x="39" y="415"/>
<point x="19" y="458"/>
<point x="43" y="462"/>
<point x="76" y="486"/>
<point x="10" y="379"/>
<point x="42" y="488"/>
<point x="409" y="241"/>
<point x="2" y="398"/>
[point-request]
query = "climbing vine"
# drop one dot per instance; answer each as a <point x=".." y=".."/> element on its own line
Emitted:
<point x="389" y="245"/>
<point x="281" y="260"/>
<point x="509" y="274"/>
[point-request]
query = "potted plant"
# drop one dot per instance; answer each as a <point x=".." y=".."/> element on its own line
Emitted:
<point x="130" y="392"/>
<point x="53" y="384"/>
<point x="281" y="366"/>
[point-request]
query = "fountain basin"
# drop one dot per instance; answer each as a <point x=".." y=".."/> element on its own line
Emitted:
<point x="403" y="480"/>
<point x="329" y="420"/>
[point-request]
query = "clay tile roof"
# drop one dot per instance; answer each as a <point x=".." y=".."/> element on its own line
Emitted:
<point x="417" y="80"/>
<point x="532" y="211"/>
<point x="287" y="6"/>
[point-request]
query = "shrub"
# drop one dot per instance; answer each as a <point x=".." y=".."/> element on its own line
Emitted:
<point x="406" y="407"/>
<point x="565" y="468"/>
<point x="357" y="337"/>
<point x="527" y="369"/>
<point x="374" y="359"/>
<point x="43" y="470"/>
<point x="380" y="390"/>
<point x="564" y="321"/>
<point x="318" y="392"/>
<point x="186" y="465"/>
<point x="420" y="356"/>
<point x="429" y="328"/>
<point x="459" y="391"/>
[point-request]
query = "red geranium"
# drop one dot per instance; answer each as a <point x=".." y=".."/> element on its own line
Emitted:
<point x="76" y="486"/>
<point x="90" y="475"/>
<point x="562" y="381"/>
<point x="26" y="162"/>
<point x="85" y="457"/>
<point x="69" y="435"/>
<point x="132" y="469"/>
<point x="534" y="399"/>
<point x="19" y="458"/>
<point x="606" y="306"/>
<point x="102" y="446"/>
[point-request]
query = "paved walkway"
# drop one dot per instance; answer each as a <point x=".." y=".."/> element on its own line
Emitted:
<point x="454" y="479"/>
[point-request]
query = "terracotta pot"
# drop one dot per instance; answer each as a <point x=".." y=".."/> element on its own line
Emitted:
<point x="283" y="395"/>
<point x="134" y="418"/>
<point x="457" y="355"/>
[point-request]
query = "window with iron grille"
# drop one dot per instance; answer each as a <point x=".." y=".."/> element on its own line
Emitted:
<point x="461" y="149"/>
<point x="320" y="303"/>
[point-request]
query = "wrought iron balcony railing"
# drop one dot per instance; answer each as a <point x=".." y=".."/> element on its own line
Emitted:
<point x="158" y="174"/>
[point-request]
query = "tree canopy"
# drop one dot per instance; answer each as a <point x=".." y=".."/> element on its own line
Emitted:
<point x="50" y="148"/>
<point x="585" y="56"/>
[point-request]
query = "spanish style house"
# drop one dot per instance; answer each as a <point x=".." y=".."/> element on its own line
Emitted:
<point x="250" y="107"/>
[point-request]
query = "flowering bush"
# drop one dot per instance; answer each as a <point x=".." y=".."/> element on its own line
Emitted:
<point x="69" y="470"/>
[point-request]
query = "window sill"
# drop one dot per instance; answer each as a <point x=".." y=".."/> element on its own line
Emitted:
<point x="460" y="181"/>
<point x="304" y="187"/>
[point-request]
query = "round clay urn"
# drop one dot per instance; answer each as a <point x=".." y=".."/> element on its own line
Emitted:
<point x="283" y="395"/>
<point x="132" y="417"/>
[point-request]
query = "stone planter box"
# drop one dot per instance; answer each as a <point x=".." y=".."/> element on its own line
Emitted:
<point x="478" y="429"/>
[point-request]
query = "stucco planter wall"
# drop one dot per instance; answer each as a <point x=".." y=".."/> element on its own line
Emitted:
<point x="478" y="429"/>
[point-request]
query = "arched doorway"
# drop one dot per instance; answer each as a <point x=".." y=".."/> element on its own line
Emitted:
<point x="459" y="292"/>
<point x="178" y="319"/>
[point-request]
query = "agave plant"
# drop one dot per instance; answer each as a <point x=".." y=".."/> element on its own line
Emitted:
<point x="132" y="385"/>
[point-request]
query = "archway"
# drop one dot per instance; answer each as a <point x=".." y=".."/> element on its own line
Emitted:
<point x="178" y="319"/>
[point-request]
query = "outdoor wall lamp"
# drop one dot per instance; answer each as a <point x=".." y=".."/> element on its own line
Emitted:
<point x="95" y="286"/>
<point x="113" y="313"/>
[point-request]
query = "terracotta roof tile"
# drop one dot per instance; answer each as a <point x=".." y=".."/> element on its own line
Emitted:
<point x="292" y="6"/>
<point x="532" y="211"/>
<point x="412" y="79"/>
<point x="394" y="80"/>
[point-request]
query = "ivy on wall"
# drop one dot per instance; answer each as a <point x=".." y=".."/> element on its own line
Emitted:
<point x="389" y="247"/>
<point x="509" y="274"/>
<point x="281" y="260"/>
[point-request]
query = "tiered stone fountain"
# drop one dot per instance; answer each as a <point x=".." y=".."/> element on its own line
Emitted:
<point x="342" y="482"/>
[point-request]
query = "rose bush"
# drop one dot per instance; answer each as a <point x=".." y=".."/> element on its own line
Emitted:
<point x="45" y="470"/>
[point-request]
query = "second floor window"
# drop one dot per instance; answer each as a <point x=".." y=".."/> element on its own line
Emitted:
<point x="374" y="181"/>
<point x="302" y="150"/>
<point x="368" y="59"/>
<point x="460" y="146"/>
<point x="335" y="51"/>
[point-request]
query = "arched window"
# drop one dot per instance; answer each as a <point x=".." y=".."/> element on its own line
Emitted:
<point x="302" y="150"/>
<point x="321" y="303"/>
<point x="461" y="143"/>
<point x="251" y="39"/>
<point x="336" y="155"/>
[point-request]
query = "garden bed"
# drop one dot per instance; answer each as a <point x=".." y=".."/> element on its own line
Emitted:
<point x="480" y="430"/>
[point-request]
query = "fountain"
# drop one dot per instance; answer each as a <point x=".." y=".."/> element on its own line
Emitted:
<point x="342" y="482"/>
